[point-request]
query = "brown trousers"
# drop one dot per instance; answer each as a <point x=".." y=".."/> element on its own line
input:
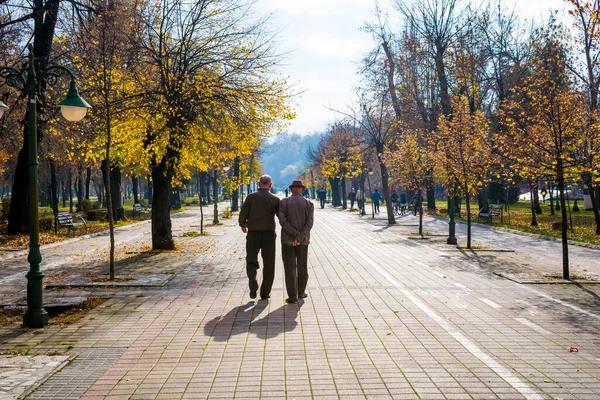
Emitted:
<point x="295" y="264"/>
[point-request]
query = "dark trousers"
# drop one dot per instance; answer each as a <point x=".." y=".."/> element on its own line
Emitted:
<point x="295" y="264"/>
<point x="351" y="204"/>
<point x="376" y="203"/>
<point x="361" y="207"/>
<point x="322" y="201"/>
<point x="263" y="241"/>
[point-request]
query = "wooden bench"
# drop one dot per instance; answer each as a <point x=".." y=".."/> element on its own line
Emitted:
<point x="492" y="211"/>
<point x="137" y="208"/>
<point x="65" y="219"/>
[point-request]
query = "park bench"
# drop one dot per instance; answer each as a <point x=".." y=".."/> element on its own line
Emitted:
<point x="493" y="210"/>
<point x="65" y="220"/>
<point x="137" y="208"/>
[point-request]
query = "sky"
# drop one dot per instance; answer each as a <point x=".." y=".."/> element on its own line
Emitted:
<point x="324" y="43"/>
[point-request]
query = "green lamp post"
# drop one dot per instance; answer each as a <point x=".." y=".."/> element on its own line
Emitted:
<point x="73" y="108"/>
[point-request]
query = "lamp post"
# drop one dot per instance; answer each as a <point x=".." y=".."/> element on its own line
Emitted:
<point x="371" y="192"/>
<point x="73" y="109"/>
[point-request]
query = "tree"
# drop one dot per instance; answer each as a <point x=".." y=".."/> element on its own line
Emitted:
<point x="38" y="19"/>
<point x="341" y="158"/>
<point x="207" y="73"/>
<point x="587" y="73"/>
<point x="411" y="163"/>
<point x="546" y="118"/>
<point x="462" y="153"/>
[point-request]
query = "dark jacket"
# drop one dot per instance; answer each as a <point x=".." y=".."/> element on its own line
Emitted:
<point x="259" y="210"/>
<point x="296" y="216"/>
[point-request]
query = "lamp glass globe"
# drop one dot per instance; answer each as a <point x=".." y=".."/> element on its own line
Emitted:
<point x="73" y="113"/>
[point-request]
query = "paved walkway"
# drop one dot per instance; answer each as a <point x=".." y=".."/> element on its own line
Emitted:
<point x="387" y="317"/>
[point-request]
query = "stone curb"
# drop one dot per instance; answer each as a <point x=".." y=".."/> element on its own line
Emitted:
<point x="41" y="381"/>
<point x="24" y="252"/>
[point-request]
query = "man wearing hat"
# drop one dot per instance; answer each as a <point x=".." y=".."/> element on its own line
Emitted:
<point x="257" y="219"/>
<point x="296" y="215"/>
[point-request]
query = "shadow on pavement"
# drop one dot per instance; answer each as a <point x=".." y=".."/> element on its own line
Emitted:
<point x="243" y="319"/>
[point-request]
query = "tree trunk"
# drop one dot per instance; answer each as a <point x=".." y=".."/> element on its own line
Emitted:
<point x="115" y="190"/>
<point x="595" y="207"/>
<point x="70" y="183"/>
<point x="19" y="212"/>
<point x="390" y="79"/>
<point x="53" y="188"/>
<point x="134" y="184"/>
<point x="216" y="198"/>
<point x="533" y="215"/>
<point x="420" y="208"/>
<point x="468" y="204"/>
<point x="335" y="192"/>
<point x="344" y="199"/>
<point x="551" y="198"/>
<point x="88" y="178"/>
<point x="235" y="196"/>
<point x="430" y="198"/>
<point x="563" y="211"/>
<point x="313" y="194"/>
<point x="162" y="238"/>
<point x="149" y="192"/>
<point x="386" y="188"/>
<point x="79" y="187"/>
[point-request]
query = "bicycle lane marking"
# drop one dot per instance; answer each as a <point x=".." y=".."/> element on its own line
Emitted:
<point x="522" y="387"/>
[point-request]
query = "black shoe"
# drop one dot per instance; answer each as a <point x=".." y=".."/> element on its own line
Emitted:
<point x="253" y="294"/>
<point x="265" y="297"/>
<point x="302" y="295"/>
<point x="291" y="300"/>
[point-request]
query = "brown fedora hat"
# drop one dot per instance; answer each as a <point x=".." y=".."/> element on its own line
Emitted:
<point x="297" y="184"/>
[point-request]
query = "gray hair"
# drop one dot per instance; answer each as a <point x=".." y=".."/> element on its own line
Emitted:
<point x="265" y="179"/>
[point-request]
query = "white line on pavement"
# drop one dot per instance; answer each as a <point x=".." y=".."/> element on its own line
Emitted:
<point x="460" y="285"/>
<point x="490" y="303"/>
<point x="533" y="326"/>
<point x="422" y="264"/>
<point x="522" y="387"/>
<point x="563" y="303"/>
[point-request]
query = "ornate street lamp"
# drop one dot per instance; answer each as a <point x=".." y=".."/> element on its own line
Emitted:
<point x="73" y="108"/>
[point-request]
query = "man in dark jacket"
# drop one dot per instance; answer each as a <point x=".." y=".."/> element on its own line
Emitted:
<point x="296" y="216"/>
<point x="322" y="195"/>
<point x="257" y="219"/>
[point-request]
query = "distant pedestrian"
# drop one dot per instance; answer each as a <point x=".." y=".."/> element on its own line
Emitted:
<point x="360" y="198"/>
<point x="257" y="219"/>
<point x="403" y="203"/>
<point x="296" y="216"/>
<point x="376" y="198"/>
<point x="322" y="195"/>
<point x="352" y="198"/>
<point x="394" y="198"/>
<point x="287" y="192"/>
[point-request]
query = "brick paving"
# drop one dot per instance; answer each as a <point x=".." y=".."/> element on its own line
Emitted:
<point x="386" y="318"/>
